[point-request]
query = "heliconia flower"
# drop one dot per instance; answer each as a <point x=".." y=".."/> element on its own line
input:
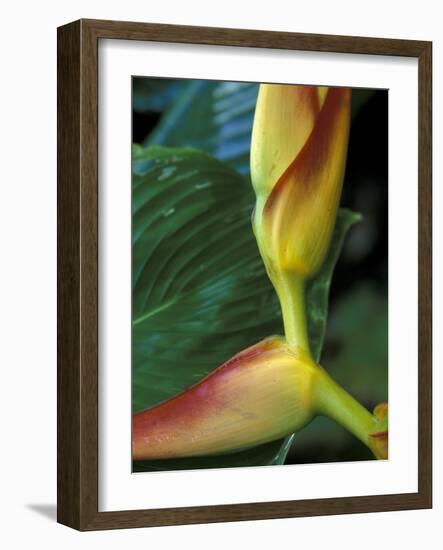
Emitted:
<point x="274" y="388"/>
<point x="263" y="393"/>
<point x="298" y="156"/>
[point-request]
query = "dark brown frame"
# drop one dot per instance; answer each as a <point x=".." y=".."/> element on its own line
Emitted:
<point x="78" y="285"/>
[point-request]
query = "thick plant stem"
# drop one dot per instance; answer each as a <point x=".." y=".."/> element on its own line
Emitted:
<point x="291" y="292"/>
<point x="333" y="401"/>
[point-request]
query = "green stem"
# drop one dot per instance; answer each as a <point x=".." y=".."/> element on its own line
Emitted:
<point x="333" y="401"/>
<point x="291" y="292"/>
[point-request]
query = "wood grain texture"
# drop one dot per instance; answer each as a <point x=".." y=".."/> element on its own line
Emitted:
<point x="68" y="276"/>
<point x="425" y="273"/>
<point x="254" y="38"/>
<point x="78" y="271"/>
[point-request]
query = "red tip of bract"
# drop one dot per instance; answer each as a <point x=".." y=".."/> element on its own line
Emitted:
<point x="259" y="395"/>
<point x="379" y="440"/>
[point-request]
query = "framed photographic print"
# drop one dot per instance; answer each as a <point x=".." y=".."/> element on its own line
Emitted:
<point x="244" y="275"/>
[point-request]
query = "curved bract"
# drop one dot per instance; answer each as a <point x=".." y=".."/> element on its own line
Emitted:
<point x="263" y="393"/>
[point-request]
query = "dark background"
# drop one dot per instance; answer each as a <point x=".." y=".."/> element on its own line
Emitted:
<point x="356" y="345"/>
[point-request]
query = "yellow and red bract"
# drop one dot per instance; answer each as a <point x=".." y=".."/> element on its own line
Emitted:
<point x="263" y="393"/>
<point x="298" y="156"/>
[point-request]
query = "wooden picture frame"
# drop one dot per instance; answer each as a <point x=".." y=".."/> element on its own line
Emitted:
<point x="78" y="273"/>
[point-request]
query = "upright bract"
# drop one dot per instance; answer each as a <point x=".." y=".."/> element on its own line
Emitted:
<point x="298" y="156"/>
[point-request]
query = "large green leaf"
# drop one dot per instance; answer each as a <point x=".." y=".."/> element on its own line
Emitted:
<point x="200" y="292"/>
<point x="198" y="282"/>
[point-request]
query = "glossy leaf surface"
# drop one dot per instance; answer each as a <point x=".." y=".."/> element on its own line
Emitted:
<point x="213" y="116"/>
